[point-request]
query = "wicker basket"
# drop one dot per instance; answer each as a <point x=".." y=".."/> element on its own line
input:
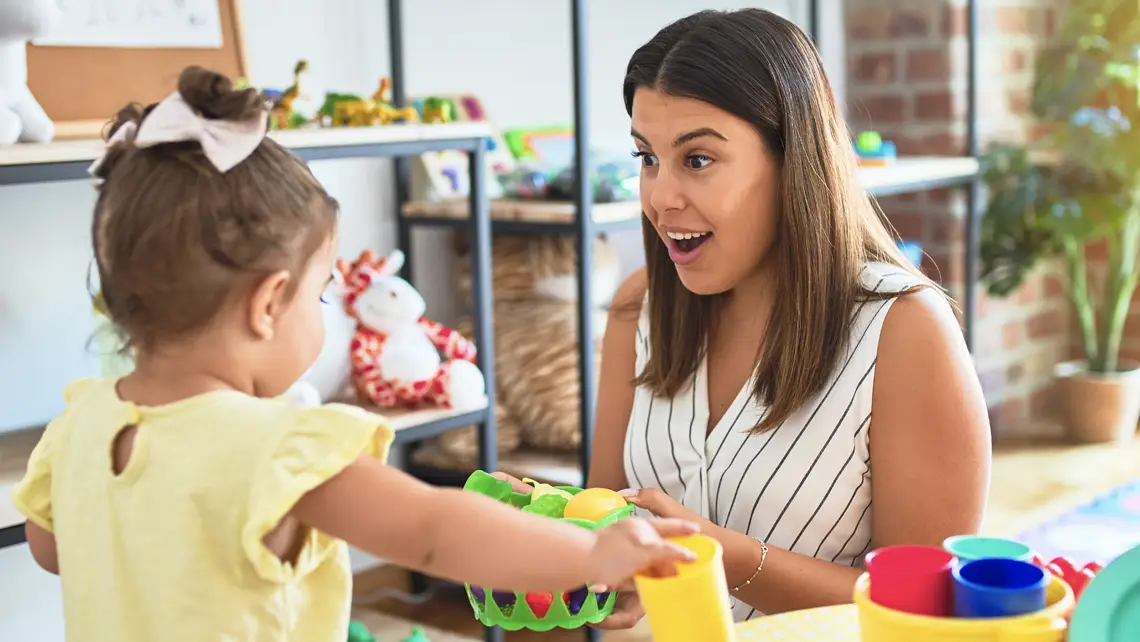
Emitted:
<point x="514" y="611"/>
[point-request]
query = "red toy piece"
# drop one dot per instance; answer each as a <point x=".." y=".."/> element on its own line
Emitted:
<point x="539" y="603"/>
<point x="1076" y="578"/>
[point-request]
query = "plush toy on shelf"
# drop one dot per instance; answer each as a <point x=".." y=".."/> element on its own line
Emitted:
<point x="21" y="117"/>
<point x="395" y="352"/>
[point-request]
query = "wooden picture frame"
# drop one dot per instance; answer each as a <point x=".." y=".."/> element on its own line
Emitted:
<point x="81" y="88"/>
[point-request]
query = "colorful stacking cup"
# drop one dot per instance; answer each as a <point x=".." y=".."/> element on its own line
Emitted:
<point x="911" y="579"/>
<point x="693" y="604"/>
<point x="968" y="548"/>
<point x="997" y="587"/>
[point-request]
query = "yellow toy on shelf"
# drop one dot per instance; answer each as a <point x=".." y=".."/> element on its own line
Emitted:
<point x="693" y="604"/>
<point x="346" y="110"/>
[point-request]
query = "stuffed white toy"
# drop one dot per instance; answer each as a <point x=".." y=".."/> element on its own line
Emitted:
<point x="21" y="117"/>
<point x="396" y="351"/>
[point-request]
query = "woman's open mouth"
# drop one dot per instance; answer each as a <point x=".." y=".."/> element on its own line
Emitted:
<point x="684" y="247"/>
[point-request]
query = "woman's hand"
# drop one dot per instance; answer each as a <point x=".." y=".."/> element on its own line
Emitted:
<point x="517" y="485"/>
<point x="626" y="614"/>
<point x="662" y="505"/>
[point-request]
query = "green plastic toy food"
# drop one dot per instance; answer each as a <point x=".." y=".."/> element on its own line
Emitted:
<point x="537" y="611"/>
<point x="357" y="632"/>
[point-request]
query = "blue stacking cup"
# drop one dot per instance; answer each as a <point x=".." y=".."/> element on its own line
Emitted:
<point x="996" y="587"/>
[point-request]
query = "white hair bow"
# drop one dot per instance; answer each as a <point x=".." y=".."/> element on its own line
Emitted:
<point x="224" y="142"/>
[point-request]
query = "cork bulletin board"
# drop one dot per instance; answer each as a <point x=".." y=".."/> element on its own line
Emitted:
<point x="82" y="87"/>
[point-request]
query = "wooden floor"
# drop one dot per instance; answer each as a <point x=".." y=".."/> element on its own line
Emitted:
<point x="1031" y="483"/>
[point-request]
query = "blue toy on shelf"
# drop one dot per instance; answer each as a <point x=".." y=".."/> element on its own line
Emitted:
<point x="873" y="151"/>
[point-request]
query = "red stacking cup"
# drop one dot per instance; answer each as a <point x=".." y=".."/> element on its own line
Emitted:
<point x="912" y="579"/>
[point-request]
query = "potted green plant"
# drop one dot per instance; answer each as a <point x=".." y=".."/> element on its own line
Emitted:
<point x="1078" y="187"/>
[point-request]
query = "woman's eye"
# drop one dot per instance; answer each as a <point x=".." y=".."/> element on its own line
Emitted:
<point x="697" y="161"/>
<point x="647" y="159"/>
<point x="325" y="298"/>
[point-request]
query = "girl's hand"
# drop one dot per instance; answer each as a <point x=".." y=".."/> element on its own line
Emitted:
<point x="637" y="545"/>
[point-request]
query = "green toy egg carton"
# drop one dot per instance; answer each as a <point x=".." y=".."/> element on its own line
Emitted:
<point x="539" y="611"/>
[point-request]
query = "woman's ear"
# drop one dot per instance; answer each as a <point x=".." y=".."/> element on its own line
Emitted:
<point x="266" y="304"/>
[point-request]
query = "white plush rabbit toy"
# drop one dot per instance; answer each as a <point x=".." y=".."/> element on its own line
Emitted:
<point x="21" y="117"/>
<point x="396" y="351"/>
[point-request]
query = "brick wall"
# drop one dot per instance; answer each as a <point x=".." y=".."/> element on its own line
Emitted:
<point x="907" y="79"/>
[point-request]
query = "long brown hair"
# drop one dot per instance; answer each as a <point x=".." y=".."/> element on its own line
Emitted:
<point x="763" y="69"/>
<point x="174" y="238"/>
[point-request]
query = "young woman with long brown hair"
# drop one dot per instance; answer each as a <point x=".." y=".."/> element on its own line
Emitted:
<point x="741" y="367"/>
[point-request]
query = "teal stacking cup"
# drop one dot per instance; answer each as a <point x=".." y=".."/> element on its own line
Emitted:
<point x="968" y="548"/>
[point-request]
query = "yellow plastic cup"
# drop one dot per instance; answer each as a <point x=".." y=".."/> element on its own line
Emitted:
<point x="880" y="624"/>
<point x="692" y="605"/>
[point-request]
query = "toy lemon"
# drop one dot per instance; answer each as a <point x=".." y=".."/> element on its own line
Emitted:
<point x="593" y="504"/>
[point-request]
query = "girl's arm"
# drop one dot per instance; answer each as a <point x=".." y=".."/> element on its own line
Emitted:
<point x="930" y="453"/>
<point x="467" y="537"/>
<point x="615" y="384"/>
<point x="42" y="544"/>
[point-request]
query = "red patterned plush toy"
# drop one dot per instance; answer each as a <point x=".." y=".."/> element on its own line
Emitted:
<point x="396" y="351"/>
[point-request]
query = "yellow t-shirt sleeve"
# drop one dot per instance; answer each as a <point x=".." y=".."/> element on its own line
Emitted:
<point x="32" y="495"/>
<point x="317" y="444"/>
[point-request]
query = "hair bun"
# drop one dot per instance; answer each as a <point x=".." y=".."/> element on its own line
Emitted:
<point x="212" y="95"/>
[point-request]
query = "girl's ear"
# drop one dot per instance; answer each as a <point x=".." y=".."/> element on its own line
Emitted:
<point x="266" y="304"/>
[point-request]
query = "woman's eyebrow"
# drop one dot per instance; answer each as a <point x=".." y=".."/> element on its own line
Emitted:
<point x="685" y="137"/>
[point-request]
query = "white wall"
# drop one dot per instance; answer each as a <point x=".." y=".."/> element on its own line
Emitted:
<point x="514" y="53"/>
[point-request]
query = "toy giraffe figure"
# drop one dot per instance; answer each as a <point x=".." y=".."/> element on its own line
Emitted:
<point x="396" y="351"/>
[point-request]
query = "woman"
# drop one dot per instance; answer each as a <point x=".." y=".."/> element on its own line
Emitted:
<point x="741" y="367"/>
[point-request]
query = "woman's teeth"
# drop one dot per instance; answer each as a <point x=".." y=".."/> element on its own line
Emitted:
<point x="688" y="241"/>
<point x="680" y="236"/>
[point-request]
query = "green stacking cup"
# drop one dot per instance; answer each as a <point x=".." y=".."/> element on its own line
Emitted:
<point x="974" y="547"/>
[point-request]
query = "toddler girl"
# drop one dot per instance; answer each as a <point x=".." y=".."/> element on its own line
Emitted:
<point x="189" y="500"/>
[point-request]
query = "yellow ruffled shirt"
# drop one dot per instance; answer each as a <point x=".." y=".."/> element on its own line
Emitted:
<point x="171" y="549"/>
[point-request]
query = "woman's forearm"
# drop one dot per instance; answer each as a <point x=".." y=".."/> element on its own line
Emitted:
<point x="788" y="582"/>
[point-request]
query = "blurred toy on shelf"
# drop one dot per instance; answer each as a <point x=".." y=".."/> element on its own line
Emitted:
<point x="437" y="109"/>
<point x="443" y="175"/>
<point x="298" y="105"/>
<point x="612" y="181"/>
<point x="350" y="110"/>
<point x="873" y="151"/>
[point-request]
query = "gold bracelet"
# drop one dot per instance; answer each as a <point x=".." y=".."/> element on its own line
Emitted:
<point x="760" y="567"/>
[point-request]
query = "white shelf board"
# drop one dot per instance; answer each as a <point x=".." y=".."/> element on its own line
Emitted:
<point x="530" y="211"/>
<point x="62" y="151"/>
<point x="913" y="173"/>
<point x="917" y="171"/>
<point x="401" y="419"/>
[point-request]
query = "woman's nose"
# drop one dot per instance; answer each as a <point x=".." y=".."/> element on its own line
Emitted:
<point x="665" y="192"/>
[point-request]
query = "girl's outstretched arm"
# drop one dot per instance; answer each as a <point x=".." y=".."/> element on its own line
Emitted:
<point x="42" y="543"/>
<point x="467" y="537"/>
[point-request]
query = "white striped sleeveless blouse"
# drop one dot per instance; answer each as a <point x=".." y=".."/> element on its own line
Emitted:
<point x="804" y="486"/>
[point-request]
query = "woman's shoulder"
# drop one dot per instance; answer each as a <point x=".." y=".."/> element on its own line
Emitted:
<point x="888" y="278"/>
<point x="628" y="303"/>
